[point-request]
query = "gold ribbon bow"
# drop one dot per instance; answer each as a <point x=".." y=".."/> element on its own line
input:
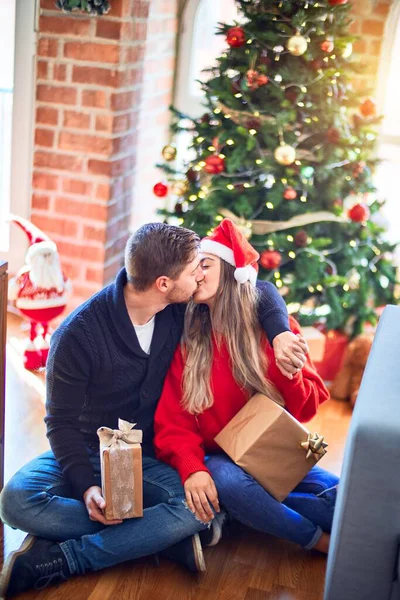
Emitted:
<point x="314" y="445"/>
<point x="118" y="437"/>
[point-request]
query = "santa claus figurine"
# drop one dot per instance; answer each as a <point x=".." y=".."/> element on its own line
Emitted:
<point x="40" y="291"/>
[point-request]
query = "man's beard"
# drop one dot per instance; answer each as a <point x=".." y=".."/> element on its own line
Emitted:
<point x="178" y="295"/>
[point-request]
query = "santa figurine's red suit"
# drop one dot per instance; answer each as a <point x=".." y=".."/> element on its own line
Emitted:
<point x="39" y="290"/>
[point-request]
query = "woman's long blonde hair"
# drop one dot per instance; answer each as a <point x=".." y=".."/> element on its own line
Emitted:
<point x="233" y="320"/>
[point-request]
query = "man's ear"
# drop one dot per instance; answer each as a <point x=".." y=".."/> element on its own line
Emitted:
<point x="163" y="284"/>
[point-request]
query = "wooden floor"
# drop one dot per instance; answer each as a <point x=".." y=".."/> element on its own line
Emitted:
<point x="245" y="565"/>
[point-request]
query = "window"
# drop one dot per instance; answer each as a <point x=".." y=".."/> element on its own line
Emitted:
<point x="387" y="178"/>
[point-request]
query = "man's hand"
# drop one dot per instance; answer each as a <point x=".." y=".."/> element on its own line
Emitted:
<point x="95" y="504"/>
<point x="200" y="490"/>
<point x="290" y="352"/>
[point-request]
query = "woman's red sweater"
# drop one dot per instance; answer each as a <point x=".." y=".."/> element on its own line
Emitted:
<point x="182" y="439"/>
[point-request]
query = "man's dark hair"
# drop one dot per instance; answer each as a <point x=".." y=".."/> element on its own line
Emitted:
<point x="157" y="249"/>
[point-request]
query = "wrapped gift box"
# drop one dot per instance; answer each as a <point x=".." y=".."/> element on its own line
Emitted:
<point x="121" y="471"/>
<point x="316" y="342"/>
<point x="270" y="445"/>
<point x="335" y="347"/>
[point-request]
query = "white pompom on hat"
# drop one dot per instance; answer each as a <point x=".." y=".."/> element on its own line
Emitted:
<point x="228" y="242"/>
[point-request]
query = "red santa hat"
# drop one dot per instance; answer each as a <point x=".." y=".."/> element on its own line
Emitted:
<point x="228" y="242"/>
<point x="34" y="234"/>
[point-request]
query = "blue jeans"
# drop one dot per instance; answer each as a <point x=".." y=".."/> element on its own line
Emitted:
<point x="38" y="499"/>
<point x="301" y="518"/>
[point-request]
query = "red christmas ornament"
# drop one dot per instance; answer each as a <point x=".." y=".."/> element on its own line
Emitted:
<point x="333" y="135"/>
<point x="264" y="59"/>
<point x="236" y="37"/>
<point x="301" y="239"/>
<point x="254" y="79"/>
<point x="327" y="46"/>
<point x="270" y="259"/>
<point x="359" y="213"/>
<point x="192" y="175"/>
<point x="318" y="63"/>
<point x="253" y="124"/>
<point x="368" y="108"/>
<point x="290" y="193"/>
<point x="337" y="2"/>
<point x="160" y="189"/>
<point x="40" y="291"/>
<point x="205" y="118"/>
<point x="214" y="164"/>
<point x="291" y="94"/>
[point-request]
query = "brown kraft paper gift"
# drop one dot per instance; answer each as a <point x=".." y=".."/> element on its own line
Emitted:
<point x="121" y="471"/>
<point x="265" y="440"/>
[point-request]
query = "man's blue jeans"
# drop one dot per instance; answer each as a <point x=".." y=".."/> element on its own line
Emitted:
<point x="301" y="518"/>
<point x="39" y="500"/>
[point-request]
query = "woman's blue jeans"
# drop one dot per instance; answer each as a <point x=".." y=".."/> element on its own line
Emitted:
<point x="39" y="500"/>
<point x="301" y="518"/>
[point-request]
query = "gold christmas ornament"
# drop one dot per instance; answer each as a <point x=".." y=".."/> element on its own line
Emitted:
<point x="297" y="45"/>
<point x="169" y="153"/>
<point x="285" y="154"/>
<point x="180" y="187"/>
<point x="315" y="446"/>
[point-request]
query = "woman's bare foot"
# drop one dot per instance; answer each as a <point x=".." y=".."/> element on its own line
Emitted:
<point x="323" y="543"/>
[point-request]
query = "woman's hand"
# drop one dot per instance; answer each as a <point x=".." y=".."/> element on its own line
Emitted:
<point x="290" y="352"/>
<point x="200" y="490"/>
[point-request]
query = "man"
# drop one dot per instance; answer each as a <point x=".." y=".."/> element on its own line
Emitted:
<point x="108" y="360"/>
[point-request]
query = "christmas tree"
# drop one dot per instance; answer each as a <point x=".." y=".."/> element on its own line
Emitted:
<point x="286" y="148"/>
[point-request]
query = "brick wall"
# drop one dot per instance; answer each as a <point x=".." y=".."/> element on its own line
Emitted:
<point x="89" y="86"/>
<point x="370" y="19"/>
<point x="154" y="120"/>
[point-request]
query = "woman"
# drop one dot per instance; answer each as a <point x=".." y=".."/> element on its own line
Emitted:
<point x="223" y="360"/>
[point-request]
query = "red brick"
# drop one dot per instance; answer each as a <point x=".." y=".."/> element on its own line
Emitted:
<point x="94" y="98"/>
<point x="120" y="8"/>
<point x="60" y="72"/>
<point x="96" y="234"/>
<point x="103" y="191"/>
<point x="124" y="100"/>
<point x="56" y="225"/>
<point x="47" y="4"/>
<point x="375" y="47"/>
<point x="42" y="67"/>
<point x="360" y="46"/>
<point x="86" y="210"/>
<point x="112" y="269"/>
<point x="120" y="123"/>
<point x="44" y="181"/>
<point x="48" y="47"/>
<point x="124" y="143"/>
<point x="85" y="143"/>
<point x="57" y="95"/>
<point x="44" y="137"/>
<point x="108" y="29"/>
<point x="102" y="53"/>
<point x="73" y="270"/>
<point x="96" y="75"/>
<point x="62" y="162"/>
<point x="373" y="27"/>
<point x="100" y="167"/>
<point x="46" y="115"/>
<point x="104" y="123"/>
<point x="93" y="253"/>
<point x="40" y="201"/>
<point x="133" y="54"/>
<point x="62" y="24"/>
<point x="76" y="120"/>
<point x="141" y="9"/>
<point x="382" y="9"/>
<point x="76" y="186"/>
<point x="95" y="275"/>
<point x="355" y="27"/>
